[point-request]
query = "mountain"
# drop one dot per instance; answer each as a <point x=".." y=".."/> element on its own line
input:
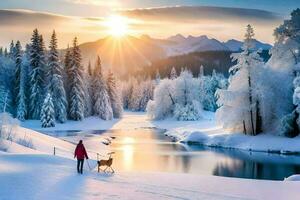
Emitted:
<point x="235" y="45"/>
<point x="123" y="55"/>
<point x="184" y="45"/>
<point x="129" y="54"/>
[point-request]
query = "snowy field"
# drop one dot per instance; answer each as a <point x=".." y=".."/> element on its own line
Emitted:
<point x="27" y="173"/>
<point x="35" y="177"/>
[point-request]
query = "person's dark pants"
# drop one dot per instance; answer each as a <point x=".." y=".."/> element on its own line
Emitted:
<point x="80" y="165"/>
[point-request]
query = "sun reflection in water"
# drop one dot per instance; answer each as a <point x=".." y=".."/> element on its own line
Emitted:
<point x="128" y="151"/>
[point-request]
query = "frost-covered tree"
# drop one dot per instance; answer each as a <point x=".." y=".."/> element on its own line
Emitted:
<point x="5" y="52"/>
<point x="285" y="59"/>
<point x="90" y="70"/>
<point x="136" y="96"/>
<point x="147" y="93"/>
<point x="177" y="98"/>
<point x="5" y="100"/>
<point x="102" y="104"/>
<point x="115" y="99"/>
<point x="47" y="112"/>
<point x="37" y="75"/>
<point x="173" y="74"/>
<point x="157" y="77"/>
<point x="127" y="89"/>
<point x="55" y="84"/>
<point x="208" y="87"/>
<point x="20" y="84"/>
<point x="75" y="76"/>
<point x="67" y="67"/>
<point x="87" y="88"/>
<point x="201" y="71"/>
<point x="240" y="103"/>
<point x="12" y="50"/>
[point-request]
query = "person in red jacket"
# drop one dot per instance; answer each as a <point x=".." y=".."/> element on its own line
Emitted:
<point x="80" y="153"/>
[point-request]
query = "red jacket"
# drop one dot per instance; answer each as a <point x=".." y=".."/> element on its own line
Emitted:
<point x="80" y="152"/>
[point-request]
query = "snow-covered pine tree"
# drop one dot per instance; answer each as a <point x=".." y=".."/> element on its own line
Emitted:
<point x="5" y="100"/>
<point x="67" y="66"/>
<point x="115" y="99"/>
<point x="90" y="70"/>
<point x="87" y="94"/>
<point x="75" y="76"/>
<point x="12" y="50"/>
<point x="157" y="77"/>
<point x="55" y="84"/>
<point x="102" y="104"/>
<point x="201" y="71"/>
<point x="20" y="84"/>
<point x="47" y="112"/>
<point x="147" y="95"/>
<point x="173" y="74"/>
<point x="286" y="50"/>
<point x="240" y="103"/>
<point x="5" y="52"/>
<point x="37" y="76"/>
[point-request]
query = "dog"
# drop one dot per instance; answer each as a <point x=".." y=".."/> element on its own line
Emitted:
<point x="106" y="163"/>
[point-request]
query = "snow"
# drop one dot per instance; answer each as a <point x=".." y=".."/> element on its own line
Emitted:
<point x="295" y="177"/>
<point x="48" y="177"/>
<point x="89" y="123"/>
<point x="36" y="174"/>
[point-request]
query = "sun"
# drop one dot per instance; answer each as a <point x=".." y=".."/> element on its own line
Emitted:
<point x="117" y="25"/>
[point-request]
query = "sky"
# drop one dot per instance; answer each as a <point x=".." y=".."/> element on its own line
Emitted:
<point x="89" y="19"/>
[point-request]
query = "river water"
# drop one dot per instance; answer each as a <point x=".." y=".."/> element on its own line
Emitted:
<point x="150" y="150"/>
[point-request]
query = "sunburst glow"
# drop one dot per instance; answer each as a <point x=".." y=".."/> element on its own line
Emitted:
<point x="117" y="25"/>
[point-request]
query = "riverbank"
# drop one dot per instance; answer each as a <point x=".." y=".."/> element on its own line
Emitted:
<point x="204" y="132"/>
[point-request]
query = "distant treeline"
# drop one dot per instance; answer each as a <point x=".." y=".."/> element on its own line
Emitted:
<point x="220" y="61"/>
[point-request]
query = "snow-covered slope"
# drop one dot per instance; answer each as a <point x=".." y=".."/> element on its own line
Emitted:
<point x="35" y="177"/>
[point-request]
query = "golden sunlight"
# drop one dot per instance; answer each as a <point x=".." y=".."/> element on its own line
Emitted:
<point x="118" y="26"/>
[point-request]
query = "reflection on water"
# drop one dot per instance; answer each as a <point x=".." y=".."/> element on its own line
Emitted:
<point x="150" y="150"/>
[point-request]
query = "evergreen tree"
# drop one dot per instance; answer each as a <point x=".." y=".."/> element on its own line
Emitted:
<point x="47" y="112"/>
<point x="87" y="94"/>
<point x="115" y="98"/>
<point x="201" y="71"/>
<point x="288" y="40"/>
<point x="5" y="52"/>
<point x="5" y="100"/>
<point x="19" y="92"/>
<point x="173" y="74"/>
<point x="55" y="84"/>
<point x="67" y="78"/>
<point x="37" y="77"/>
<point x="157" y="77"/>
<point x="102" y="104"/>
<point x="1" y="52"/>
<point x="75" y="76"/>
<point x="90" y="70"/>
<point x="12" y="50"/>
<point x="240" y="103"/>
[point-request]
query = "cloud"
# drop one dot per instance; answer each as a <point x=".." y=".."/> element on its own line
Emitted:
<point x="23" y="17"/>
<point x="18" y="25"/>
<point x="108" y="3"/>
<point x="200" y="13"/>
